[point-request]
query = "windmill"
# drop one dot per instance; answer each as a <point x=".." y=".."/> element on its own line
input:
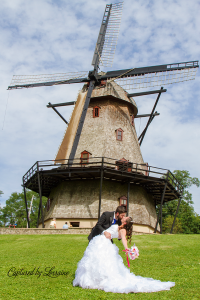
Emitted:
<point x="145" y="77"/>
<point x="103" y="55"/>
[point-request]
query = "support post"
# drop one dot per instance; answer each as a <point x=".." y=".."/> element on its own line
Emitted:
<point x="141" y="137"/>
<point x="40" y="193"/>
<point x="161" y="203"/>
<point x="100" y="190"/>
<point x="28" y="222"/>
<point x="38" y="216"/>
<point x="176" y="212"/>
<point x="53" y="107"/>
<point x="146" y="93"/>
<point x="146" y="115"/>
<point x="61" y="104"/>
<point x="128" y="192"/>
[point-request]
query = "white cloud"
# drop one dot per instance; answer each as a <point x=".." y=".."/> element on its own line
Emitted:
<point x="59" y="36"/>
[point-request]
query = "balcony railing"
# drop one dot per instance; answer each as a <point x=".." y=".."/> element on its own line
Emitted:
<point x="104" y="162"/>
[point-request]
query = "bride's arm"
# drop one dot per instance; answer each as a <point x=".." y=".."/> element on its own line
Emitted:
<point x="123" y="236"/>
<point x="107" y="235"/>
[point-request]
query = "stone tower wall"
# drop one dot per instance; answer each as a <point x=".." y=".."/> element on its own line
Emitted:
<point x="99" y="134"/>
<point x="80" y="200"/>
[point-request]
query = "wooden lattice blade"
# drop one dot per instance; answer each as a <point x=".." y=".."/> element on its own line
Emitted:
<point x="152" y="69"/>
<point x="137" y="78"/>
<point x="28" y="81"/>
<point x="108" y="36"/>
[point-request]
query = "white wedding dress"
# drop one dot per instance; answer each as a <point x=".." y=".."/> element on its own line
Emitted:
<point x="102" y="268"/>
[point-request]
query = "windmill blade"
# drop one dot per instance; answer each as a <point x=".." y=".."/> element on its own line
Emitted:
<point x="28" y="81"/>
<point x="108" y="36"/>
<point x="105" y="50"/>
<point x="153" y="76"/>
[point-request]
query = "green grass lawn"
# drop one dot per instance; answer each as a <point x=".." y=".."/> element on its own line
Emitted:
<point x="164" y="257"/>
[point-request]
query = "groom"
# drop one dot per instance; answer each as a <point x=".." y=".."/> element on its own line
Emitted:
<point x="106" y="220"/>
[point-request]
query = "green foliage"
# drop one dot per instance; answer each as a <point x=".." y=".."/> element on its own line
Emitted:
<point x="162" y="257"/>
<point x="167" y="225"/>
<point x="14" y="212"/>
<point x="185" y="180"/>
<point x="1" y="193"/>
<point x="187" y="220"/>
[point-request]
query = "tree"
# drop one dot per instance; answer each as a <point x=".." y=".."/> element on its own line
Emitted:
<point x="15" y="210"/>
<point x="188" y="220"/>
<point x="1" y="193"/>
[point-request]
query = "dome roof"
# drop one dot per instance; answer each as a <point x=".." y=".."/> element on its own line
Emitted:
<point x="111" y="88"/>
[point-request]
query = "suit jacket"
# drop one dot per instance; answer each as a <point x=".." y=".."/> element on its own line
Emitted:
<point x="103" y="223"/>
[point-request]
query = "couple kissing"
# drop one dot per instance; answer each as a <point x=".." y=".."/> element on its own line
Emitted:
<point x="102" y="267"/>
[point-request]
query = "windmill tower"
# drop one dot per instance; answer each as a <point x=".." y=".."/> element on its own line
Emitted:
<point x="99" y="164"/>
<point x="108" y="130"/>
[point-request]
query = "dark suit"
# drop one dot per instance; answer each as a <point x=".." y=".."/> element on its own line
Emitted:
<point x="103" y="223"/>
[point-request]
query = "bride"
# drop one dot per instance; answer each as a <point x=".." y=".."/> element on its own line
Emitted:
<point x="102" y="267"/>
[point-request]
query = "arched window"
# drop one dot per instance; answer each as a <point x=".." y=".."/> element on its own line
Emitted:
<point x="119" y="134"/>
<point x="96" y="111"/>
<point x="123" y="201"/>
<point x="85" y="157"/>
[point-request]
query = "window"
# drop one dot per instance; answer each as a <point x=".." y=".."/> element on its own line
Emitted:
<point x="132" y="120"/>
<point x="85" y="157"/>
<point x="74" y="224"/>
<point x="119" y="134"/>
<point x="96" y="111"/>
<point x="123" y="201"/>
<point x="124" y="165"/>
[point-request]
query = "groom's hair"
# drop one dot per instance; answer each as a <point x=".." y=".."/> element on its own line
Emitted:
<point x="120" y="209"/>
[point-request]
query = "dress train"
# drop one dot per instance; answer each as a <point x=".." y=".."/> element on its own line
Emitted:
<point x="102" y="268"/>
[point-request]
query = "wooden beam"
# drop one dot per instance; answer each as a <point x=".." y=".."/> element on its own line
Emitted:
<point x="100" y="190"/>
<point x="38" y="216"/>
<point x="26" y="206"/>
<point x="146" y="93"/>
<point x="141" y="137"/>
<point x="161" y="203"/>
<point x="176" y="212"/>
<point x="61" y="104"/>
<point x="146" y="115"/>
<point x="58" y="113"/>
<point x="40" y="193"/>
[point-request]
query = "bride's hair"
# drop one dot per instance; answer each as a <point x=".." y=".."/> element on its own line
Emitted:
<point x="129" y="229"/>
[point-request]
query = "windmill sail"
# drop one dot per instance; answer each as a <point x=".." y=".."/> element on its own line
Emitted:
<point x="108" y="36"/>
<point x="146" y="77"/>
<point x="106" y="43"/>
<point x="28" y="81"/>
<point x="128" y="79"/>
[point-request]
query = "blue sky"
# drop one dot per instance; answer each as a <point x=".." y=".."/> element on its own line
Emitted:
<point x="43" y="37"/>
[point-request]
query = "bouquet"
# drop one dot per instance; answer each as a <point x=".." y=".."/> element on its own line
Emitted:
<point x="133" y="253"/>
